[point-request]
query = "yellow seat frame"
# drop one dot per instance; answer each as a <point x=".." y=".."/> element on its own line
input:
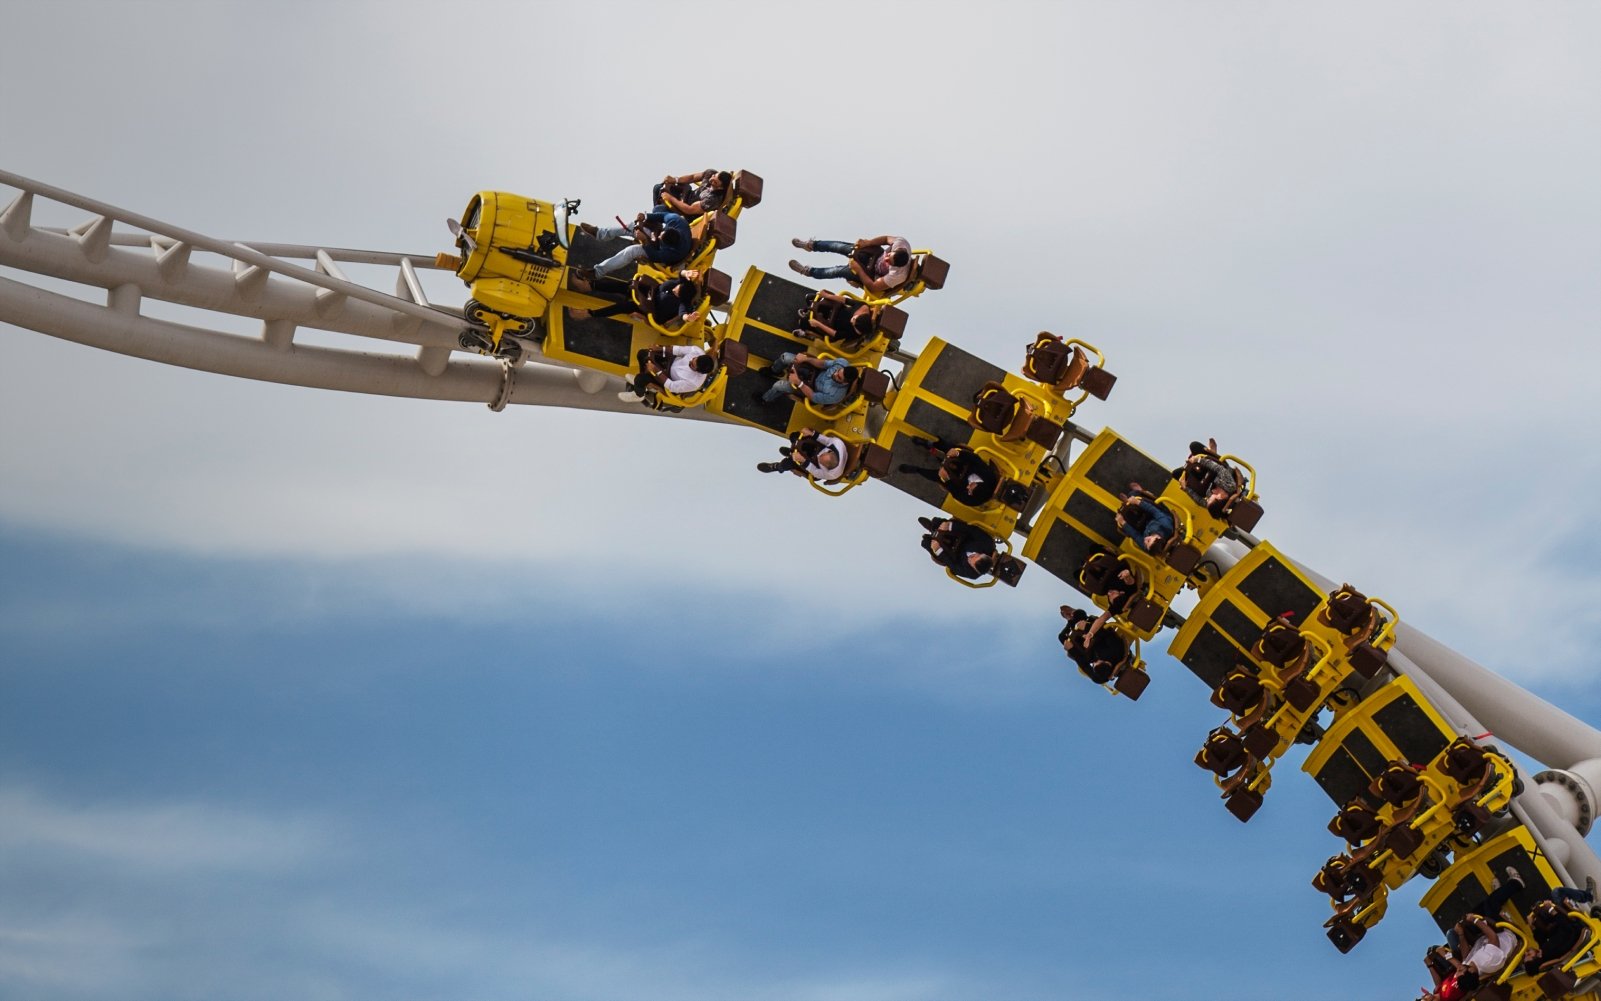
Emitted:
<point x="1072" y="403"/>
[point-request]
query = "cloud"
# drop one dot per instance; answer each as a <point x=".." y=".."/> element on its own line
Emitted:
<point x="444" y="961"/>
<point x="96" y="897"/>
<point x="156" y="840"/>
<point x="151" y="921"/>
<point x="73" y="955"/>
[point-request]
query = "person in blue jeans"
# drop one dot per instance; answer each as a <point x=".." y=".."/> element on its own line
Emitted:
<point x="878" y="264"/>
<point x="662" y="237"/>
<point x="825" y="383"/>
<point x="1148" y="525"/>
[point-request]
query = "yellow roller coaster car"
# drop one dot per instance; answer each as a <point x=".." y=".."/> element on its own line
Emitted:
<point x="1429" y="791"/>
<point x="1264" y="616"/>
<point x="1257" y="637"/>
<point x="511" y="253"/>
<point x="1079" y="519"/>
<point x="762" y="315"/>
<point x="1423" y="816"/>
<point x="935" y="402"/>
<point x="1466" y="882"/>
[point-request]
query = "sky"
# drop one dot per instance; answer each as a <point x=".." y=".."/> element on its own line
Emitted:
<point x="323" y="695"/>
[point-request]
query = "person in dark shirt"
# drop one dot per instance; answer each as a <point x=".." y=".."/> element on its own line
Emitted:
<point x="693" y="195"/>
<point x="967" y="476"/>
<point x="965" y="550"/>
<point x="1105" y="574"/>
<point x="661" y="237"/>
<point x="1557" y="933"/>
<point x="838" y="320"/>
<point x="669" y="303"/>
<point x="1095" y="649"/>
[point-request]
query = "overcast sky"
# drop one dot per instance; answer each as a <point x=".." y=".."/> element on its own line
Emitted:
<point x="289" y="709"/>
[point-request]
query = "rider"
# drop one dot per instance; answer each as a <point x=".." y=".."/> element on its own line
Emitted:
<point x="680" y="369"/>
<point x="813" y="453"/>
<point x="1095" y="649"/>
<point x="965" y="550"/>
<point x="693" y="195"/>
<point x="878" y="264"/>
<point x="661" y="237"/>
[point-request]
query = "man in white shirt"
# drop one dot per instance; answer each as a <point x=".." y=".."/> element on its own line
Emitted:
<point x="680" y="370"/>
<point x="1487" y="956"/>
<point x="819" y="455"/>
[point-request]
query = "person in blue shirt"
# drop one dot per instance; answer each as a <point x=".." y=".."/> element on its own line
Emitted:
<point x="1149" y="526"/>
<point x="824" y="382"/>
<point x="661" y="237"/>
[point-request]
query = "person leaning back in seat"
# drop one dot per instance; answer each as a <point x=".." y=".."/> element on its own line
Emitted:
<point x="670" y="303"/>
<point x="660" y="236"/>
<point x="967" y="476"/>
<point x="680" y="369"/>
<point x="810" y="452"/>
<point x="1557" y="933"/>
<point x="1093" y="648"/>
<point x="835" y="318"/>
<point x="1148" y="525"/>
<point x="693" y="195"/>
<point x="1207" y="479"/>
<point x="879" y="264"/>
<point x="965" y="550"/>
<point x="824" y="382"/>
<point x="1109" y="576"/>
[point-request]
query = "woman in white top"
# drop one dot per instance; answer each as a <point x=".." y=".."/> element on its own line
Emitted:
<point x="819" y="455"/>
